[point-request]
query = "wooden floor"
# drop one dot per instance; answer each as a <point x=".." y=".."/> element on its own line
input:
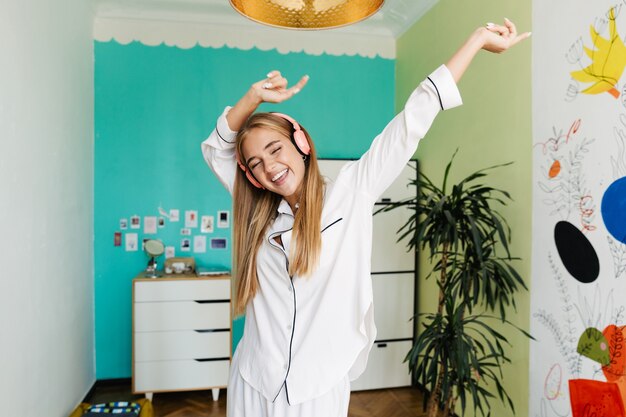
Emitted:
<point x="396" y="402"/>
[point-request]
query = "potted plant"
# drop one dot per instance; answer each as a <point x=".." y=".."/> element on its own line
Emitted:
<point x="459" y="352"/>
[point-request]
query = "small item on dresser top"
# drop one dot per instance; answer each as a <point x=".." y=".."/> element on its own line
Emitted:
<point x="202" y="271"/>
<point x="180" y="265"/>
<point x="154" y="248"/>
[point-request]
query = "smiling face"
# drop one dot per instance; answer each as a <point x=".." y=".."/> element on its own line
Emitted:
<point x="275" y="163"/>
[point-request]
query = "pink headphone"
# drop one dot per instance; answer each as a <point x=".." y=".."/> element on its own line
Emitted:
<point x="298" y="139"/>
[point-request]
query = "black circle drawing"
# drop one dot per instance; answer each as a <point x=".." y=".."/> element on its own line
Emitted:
<point x="576" y="252"/>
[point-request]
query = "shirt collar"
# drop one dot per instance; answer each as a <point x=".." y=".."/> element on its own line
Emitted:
<point x="284" y="208"/>
<point x="284" y="219"/>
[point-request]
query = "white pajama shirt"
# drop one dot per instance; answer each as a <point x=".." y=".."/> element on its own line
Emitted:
<point x="305" y="338"/>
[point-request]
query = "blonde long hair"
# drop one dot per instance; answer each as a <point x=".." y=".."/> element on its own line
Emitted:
<point x="255" y="209"/>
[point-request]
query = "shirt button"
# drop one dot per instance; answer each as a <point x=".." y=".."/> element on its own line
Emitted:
<point x="290" y="288"/>
<point x="289" y="327"/>
<point x="286" y="366"/>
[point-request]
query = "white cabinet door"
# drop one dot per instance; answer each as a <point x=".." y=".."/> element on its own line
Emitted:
<point x="400" y="189"/>
<point x="385" y="368"/>
<point x="330" y="167"/>
<point x="393" y="305"/>
<point x="389" y="255"/>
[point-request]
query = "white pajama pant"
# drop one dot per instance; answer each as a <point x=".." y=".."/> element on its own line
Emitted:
<point x="244" y="401"/>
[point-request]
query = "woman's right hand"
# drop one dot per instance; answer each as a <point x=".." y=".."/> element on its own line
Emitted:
<point x="273" y="89"/>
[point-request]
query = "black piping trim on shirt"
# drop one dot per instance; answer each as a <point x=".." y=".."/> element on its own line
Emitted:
<point x="271" y="238"/>
<point x="287" y="393"/>
<point x="335" y="222"/>
<point x="293" y="324"/>
<point x="437" y="90"/>
<point x="220" y="136"/>
<point x="293" y="330"/>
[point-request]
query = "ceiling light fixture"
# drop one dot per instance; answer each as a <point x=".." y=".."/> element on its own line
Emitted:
<point x="307" y="14"/>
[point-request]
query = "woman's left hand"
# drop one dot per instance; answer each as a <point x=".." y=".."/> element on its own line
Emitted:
<point x="499" y="38"/>
<point x="492" y="38"/>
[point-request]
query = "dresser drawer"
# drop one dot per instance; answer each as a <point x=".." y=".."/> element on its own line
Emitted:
<point x="185" y="344"/>
<point x="180" y="375"/>
<point x="385" y="368"/>
<point x="182" y="290"/>
<point x="181" y="315"/>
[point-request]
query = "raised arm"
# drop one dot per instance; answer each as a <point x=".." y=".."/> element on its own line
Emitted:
<point x="492" y="38"/>
<point x="219" y="148"/>
<point x="392" y="149"/>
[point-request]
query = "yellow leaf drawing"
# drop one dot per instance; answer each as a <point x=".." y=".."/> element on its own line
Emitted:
<point x="608" y="60"/>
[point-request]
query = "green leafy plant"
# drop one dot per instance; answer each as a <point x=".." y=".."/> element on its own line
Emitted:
<point x="459" y="353"/>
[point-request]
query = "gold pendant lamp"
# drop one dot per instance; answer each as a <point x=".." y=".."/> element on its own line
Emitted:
<point x="307" y="14"/>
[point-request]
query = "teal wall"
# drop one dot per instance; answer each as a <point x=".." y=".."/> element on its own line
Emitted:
<point x="153" y="107"/>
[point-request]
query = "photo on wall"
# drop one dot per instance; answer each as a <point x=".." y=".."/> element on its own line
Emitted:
<point x="191" y="218"/>
<point x="223" y="219"/>
<point x="206" y="225"/>
<point x="131" y="242"/>
<point x="199" y="244"/>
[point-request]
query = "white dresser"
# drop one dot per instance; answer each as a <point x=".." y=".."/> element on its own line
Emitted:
<point x="181" y="334"/>
<point x="393" y="281"/>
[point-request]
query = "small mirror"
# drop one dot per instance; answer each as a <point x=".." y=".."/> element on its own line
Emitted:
<point x="154" y="248"/>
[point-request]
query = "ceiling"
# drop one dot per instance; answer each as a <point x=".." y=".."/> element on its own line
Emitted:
<point x="393" y="19"/>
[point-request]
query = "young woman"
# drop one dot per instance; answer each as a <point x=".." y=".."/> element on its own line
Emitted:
<point x="303" y="245"/>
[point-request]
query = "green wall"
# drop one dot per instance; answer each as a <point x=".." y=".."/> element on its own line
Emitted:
<point x="153" y="107"/>
<point x="493" y="126"/>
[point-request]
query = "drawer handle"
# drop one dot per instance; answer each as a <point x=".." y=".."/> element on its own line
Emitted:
<point x="211" y="301"/>
<point x="211" y="359"/>
<point x="210" y="330"/>
<point x="381" y="345"/>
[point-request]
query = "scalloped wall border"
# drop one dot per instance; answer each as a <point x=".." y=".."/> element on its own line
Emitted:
<point x="186" y="35"/>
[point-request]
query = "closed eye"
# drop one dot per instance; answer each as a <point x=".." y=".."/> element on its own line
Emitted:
<point x="256" y="162"/>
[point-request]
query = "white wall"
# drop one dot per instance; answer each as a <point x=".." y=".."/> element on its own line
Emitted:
<point x="46" y="206"/>
<point x="579" y="223"/>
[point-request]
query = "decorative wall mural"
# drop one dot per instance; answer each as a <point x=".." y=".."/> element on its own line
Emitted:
<point x="607" y="59"/>
<point x="576" y="252"/>
<point x="614" y="209"/>
<point x="578" y="289"/>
